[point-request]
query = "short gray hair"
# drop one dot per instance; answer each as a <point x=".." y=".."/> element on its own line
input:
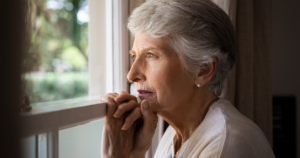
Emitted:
<point x="198" y="30"/>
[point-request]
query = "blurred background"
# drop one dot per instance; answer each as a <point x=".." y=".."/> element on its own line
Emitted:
<point x="56" y="65"/>
<point x="285" y="75"/>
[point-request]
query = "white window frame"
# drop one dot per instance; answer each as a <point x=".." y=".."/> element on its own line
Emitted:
<point x="51" y="119"/>
<point x="76" y="112"/>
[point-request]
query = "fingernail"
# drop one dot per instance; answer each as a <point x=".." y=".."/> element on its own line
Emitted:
<point x="116" y="99"/>
<point x="145" y="105"/>
<point x="124" y="126"/>
<point x="116" y="115"/>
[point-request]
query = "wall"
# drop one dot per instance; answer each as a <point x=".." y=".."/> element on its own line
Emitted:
<point x="286" y="53"/>
<point x="12" y="50"/>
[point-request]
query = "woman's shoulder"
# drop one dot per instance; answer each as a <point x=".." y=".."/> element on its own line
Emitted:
<point x="227" y="133"/>
<point x="231" y="117"/>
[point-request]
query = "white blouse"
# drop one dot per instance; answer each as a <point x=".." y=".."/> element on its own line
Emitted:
<point x="224" y="133"/>
<point x="171" y="153"/>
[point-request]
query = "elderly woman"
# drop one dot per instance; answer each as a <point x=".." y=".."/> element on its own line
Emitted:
<point x="182" y="52"/>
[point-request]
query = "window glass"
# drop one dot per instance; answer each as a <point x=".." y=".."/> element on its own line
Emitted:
<point x="56" y="64"/>
<point x="56" y="67"/>
<point x="28" y="147"/>
<point x="81" y="141"/>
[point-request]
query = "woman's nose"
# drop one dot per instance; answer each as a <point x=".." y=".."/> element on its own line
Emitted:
<point x="135" y="73"/>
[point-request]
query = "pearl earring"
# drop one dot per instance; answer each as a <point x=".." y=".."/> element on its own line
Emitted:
<point x="198" y="85"/>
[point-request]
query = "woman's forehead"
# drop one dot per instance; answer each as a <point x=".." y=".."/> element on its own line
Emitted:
<point x="145" y="42"/>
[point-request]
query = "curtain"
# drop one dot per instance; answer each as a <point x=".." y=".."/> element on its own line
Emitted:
<point x="248" y="85"/>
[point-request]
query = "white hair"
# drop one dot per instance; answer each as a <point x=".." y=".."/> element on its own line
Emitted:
<point x="198" y="30"/>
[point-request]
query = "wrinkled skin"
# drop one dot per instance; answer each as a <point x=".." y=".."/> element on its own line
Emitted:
<point x="128" y="128"/>
<point x="116" y="142"/>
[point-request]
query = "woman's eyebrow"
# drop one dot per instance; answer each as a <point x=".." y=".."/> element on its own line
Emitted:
<point x="132" y="52"/>
<point x="145" y="50"/>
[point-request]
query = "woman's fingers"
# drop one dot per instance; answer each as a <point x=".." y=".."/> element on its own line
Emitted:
<point x="109" y="95"/>
<point x="146" y="130"/>
<point x="111" y="107"/>
<point x="111" y="104"/>
<point x="131" y="118"/>
<point x="127" y="106"/>
<point x="125" y="96"/>
<point x="119" y="104"/>
<point x="150" y="120"/>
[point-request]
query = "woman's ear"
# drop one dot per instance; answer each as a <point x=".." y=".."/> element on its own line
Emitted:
<point x="206" y="72"/>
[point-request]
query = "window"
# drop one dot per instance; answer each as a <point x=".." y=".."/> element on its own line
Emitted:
<point x="57" y="60"/>
<point x="72" y="128"/>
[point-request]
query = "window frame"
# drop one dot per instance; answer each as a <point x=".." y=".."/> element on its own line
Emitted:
<point x="76" y="112"/>
<point x="58" y="117"/>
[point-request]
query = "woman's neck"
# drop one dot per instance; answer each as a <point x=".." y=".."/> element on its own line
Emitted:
<point x="186" y="118"/>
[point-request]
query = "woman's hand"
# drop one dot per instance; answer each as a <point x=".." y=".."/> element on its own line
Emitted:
<point x="144" y="116"/>
<point x="145" y="131"/>
<point x="138" y="125"/>
<point x="116" y="143"/>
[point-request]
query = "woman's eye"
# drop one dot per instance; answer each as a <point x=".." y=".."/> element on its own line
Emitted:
<point x="133" y="57"/>
<point x="150" y="55"/>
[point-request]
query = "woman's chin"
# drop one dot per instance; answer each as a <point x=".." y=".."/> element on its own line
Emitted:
<point x="153" y="104"/>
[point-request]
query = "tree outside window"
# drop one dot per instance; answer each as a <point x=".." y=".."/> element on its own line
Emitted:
<point x="56" y="65"/>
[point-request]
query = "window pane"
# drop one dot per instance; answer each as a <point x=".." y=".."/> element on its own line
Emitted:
<point x="28" y="146"/>
<point x="56" y="64"/>
<point x="81" y="141"/>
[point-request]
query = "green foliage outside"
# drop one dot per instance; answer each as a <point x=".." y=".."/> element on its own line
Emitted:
<point x="50" y="86"/>
<point x="54" y="31"/>
<point x="55" y="66"/>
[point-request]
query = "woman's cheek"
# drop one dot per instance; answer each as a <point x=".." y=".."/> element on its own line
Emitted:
<point x="159" y="80"/>
<point x="157" y="67"/>
<point x="155" y="77"/>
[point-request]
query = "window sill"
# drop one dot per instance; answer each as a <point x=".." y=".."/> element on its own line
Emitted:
<point x="60" y="115"/>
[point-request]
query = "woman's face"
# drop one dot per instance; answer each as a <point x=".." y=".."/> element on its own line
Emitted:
<point x="159" y="75"/>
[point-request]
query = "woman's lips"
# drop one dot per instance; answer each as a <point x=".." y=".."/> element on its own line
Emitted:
<point x="144" y="93"/>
